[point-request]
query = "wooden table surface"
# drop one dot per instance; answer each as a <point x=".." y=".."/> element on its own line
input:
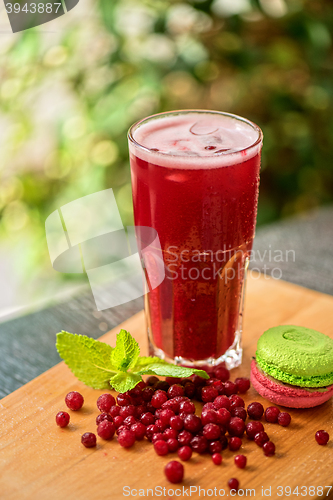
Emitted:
<point x="40" y="461"/>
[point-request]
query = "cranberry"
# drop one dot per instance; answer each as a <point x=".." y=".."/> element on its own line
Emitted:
<point x="223" y="416"/>
<point x="174" y="471"/>
<point x="239" y="411"/>
<point x="141" y="385"/>
<point x="135" y="393"/>
<point x="187" y="407"/>
<point x="189" y="389"/>
<point x="126" y="438"/>
<point x="74" y="400"/>
<point x="240" y="461"/>
<point x="222" y="373"/>
<point x="173" y="380"/>
<point x="175" y="390"/>
<point x="118" y="421"/>
<point x="147" y="394"/>
<point x="219" y="386"/>
<point x="106" y="430"/>
<point x="88" y="439"/>
<point x="208" y="417"/>
<point x="236" y="427"/>
<point x="252" y="428"/>
<point x="243" y="384"/>
<point x="211" y="432"/>
<point x="322" y="437"/>
<point x="171" y="404"/>
<point x="233" y="484"/>
<point x="152" y="380"/>
<point x="165" y="416"/>
<point x="126" y="411"/>
<point x="209" y="394"/>
<point x="199" y="381"/>
<point x="104" y="402"/>
<point x="184" y="438"/>
<point x="129" y="421"/>
<point x="158" y="436"/>
<point x="261" y="438"/>
<point x="123" y="399"/>
<point x="161" y="447"/>
<point x="222" y="402"/>
<point x="161" y="425"/>
<point x="215" y="447"/>
<point x="103" y="416"/>
<point x="192" y="423"/>
<point x="255" y="410"/>
<point x="114" y="411"/>
<point x="139" y="430"/>
<point x="208" y="406"/>
<point x="150" y="407"/>
<point x="172" y="444"/>
<point x="235" y="401"/>
<point x="184" y="453"/>
<point x="150" y="431"/>
<point x="121" y="429"/>
<point x="139" y="410"/>
<point x="230" y="388"/>
<point x="62" y="419"/>
<point x="284" y="419"/>
<point x="271" y="414"/>
<point x="159" y="398"/>
<point x="199" y="444"/>
<point x="162" y="385"/>
<point x="217" y="458"/>
<point x="147" y="418"/>
<point x="269" y="449"/>
<point x="176" y="423"/>
<point x="235" y="443"/>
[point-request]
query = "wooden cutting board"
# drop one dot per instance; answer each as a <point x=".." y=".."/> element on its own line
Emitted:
<point x="40" y="461"/>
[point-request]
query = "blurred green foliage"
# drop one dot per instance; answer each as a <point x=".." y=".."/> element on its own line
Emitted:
<point x="67" y="103"/>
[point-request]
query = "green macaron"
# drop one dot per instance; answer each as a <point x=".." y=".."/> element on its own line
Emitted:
<point x="296" y="355"/>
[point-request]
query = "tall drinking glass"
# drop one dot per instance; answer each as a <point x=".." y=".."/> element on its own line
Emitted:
<point x="195" y="179"/>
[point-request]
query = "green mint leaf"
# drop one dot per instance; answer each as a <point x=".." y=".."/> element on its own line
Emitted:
<point x="126" y="352"/>
<point x="144" y="361"/>
<point x="88" y="359"/>
<point x="167" y="370"/>
<point x="123" y="381"/>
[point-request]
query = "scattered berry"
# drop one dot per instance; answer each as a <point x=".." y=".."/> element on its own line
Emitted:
<point x="106" y="430"/>
<point x="217" y="458"/>
<point x="239" y="412"/>
<point x="170" y="434"/>
<point x="208" y="417"/>
<point x="192" y="423"/>
<point x="152" y="380"/>
<point x="126" y="438"/>
<point x="271" y="414"/>
<point x="185" y="453"/>
<point x="243" y="384"/>
<point x="252" y="428"/>
<point x="172" y="444"/>
<point x="284" y="419"/>
<point x="176" y="423"/>
<point x="236" y="401"/>
<point x="186" y="407"/>
<point x="104" y="402"/>
<point x="222" y="373"/>
<point x="240" y="461"/>
<point x="199" y="444"/>
<point x="127" y="410"/>
<point x="255" y="410"/>
<point x="158" y="436"/>
<point x="62" y="419"/>
<point x="161" y="447"/>
<point x="223" y="416"/>
<point x="103" y="416"/>
<point x="123" y="399"/>
<point x="88" y="439"/>
<point x="236" y="427"/>
<point x="118" y="421"/>
<point x="147" y="418"/>
<point x="114" y="411"/>
<point x="208" y="394"/>
<point x="233" y="484"/>
<point x="269" y="449"/>
<point x="184" y="438"/>
<point x="215" y="447"/>
<point x="159" y="398"/>
<point x="322" y="437"/>
<point x="175" y="390"/>
<point x="235" y="443"/>
<point x="139" y="430"/>
<point x="74" y="400"/>
<point x="261" y="438"/>
<point x="222" y="402"/>
<point x="174" y="471"/>
<point x="230" y="388"/>
<point x="211" y="432"/>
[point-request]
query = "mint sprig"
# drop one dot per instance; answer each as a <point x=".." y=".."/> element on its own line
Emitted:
<point x="100" y="366"/>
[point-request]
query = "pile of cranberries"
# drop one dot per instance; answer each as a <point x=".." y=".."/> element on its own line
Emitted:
<point x="163" y="412"/>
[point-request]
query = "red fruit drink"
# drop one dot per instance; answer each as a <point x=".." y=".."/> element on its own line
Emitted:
<point x="195" y="178"/>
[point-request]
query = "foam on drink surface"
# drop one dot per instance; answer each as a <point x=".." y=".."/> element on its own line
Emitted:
<point x="195" y="140"/>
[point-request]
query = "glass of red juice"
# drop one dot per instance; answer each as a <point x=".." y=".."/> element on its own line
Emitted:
<point x="195" y="179"/>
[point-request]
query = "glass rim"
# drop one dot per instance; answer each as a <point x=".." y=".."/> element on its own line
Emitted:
<point x="136" y="125"/>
